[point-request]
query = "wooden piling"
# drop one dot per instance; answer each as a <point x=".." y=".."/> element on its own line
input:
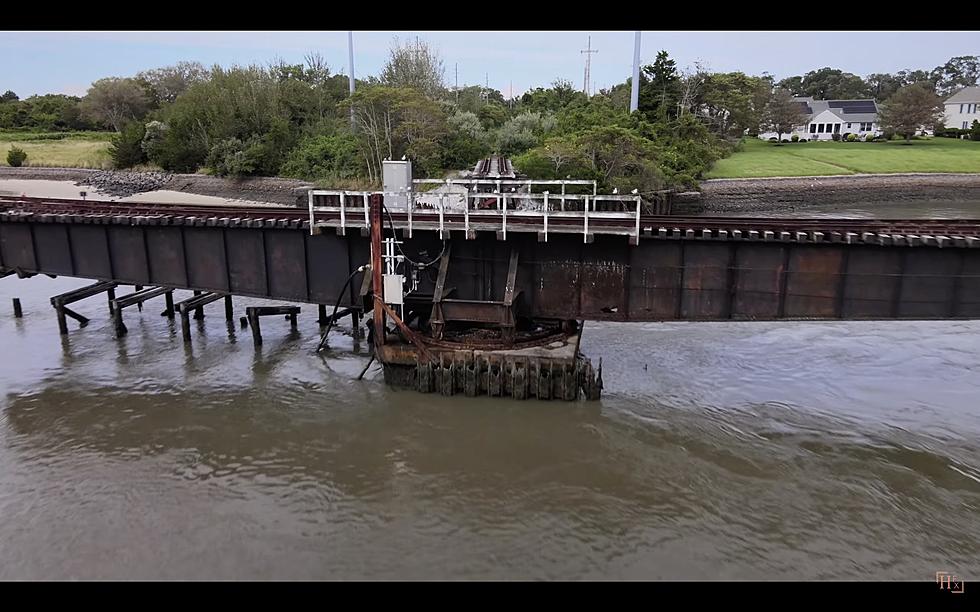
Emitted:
<point x="229" y="309"/>
<point x="18" y="313"/>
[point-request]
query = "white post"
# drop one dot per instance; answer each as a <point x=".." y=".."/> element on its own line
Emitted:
<point x="637" y="219"/>
<point x="411" y="205"/>
<point x="505" y="217"/>
<point x="466" y="213"/>
<point x="367" y="221"/>
<point x="343" y="211"/>
<point x="635" y="90"/>
<point x="311" y="212"/>
<point x="350" y="49"/>
<point x="442" y="205"/>
<point x="586" y="234"/>
<point x="546" y="216"/>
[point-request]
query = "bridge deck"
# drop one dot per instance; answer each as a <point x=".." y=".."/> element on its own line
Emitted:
<point x="672" y="268"/>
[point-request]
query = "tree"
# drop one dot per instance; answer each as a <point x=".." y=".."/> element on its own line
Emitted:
<point x="909" y="109"/>
<point x="8" y="96"/>
<point x="418" y="66"/>
<point x="165" y="84"/>
<point x="881" y="86"/>
<point x="827" y="84"/>
<point x="115" y="101"/>
<point x="792" y="84"/>
<point x="783" y="114"/>
<point x="957" y="73"/>
<point x="659" y="87"/>
<point x="731" y="103"/>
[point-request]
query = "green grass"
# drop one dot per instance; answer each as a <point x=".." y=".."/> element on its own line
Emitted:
<point x="761" y="158"/>
<point x="59" y="149"/>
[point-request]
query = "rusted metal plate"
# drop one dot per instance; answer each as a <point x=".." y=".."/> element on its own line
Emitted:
<point x="604" y="280"/>
<point x="928" y="283"/>
<point x="207" y="267"/>
<point x="246" y="261"/>
<point x="166" y="262"/>
<point x="655" y="280"/>
<point x="329" y="267"/>
<point x="813" y="284"/>
<point x="286" y="258"/>
<point x="758" y="281"/>
<point x="90" y="251"/>
<point x="17" y="246"/>
<point x="871" y="283"/>
<point x="968" y="291"/>
<point x="53" y="253"/>
<point x="706" y="281"/>
<point x="556" y="291"/>
<point x="127" y="248"/>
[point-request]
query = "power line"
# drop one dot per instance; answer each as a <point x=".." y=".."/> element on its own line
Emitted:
<point x="588" y="65"/>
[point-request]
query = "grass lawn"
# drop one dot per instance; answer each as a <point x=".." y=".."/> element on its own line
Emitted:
<point x="761" y="158"/>
<point x="62" y="150"/>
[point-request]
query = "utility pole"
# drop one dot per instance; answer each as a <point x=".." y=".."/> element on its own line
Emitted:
<point x="635" y="90"/>
<point x="588" y="64"/>
<point x="350" y="49"/>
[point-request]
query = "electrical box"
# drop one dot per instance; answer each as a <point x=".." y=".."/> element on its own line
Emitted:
<point x="394" y="288"/>
<point x="397" y="177"/>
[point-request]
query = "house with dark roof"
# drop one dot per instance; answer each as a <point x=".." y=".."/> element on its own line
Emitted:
<point x="828" y="117"/>
<point x="962" y="108"/>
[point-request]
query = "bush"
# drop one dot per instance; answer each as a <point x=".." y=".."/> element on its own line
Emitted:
<point x="975" y="130"/>
<point x="785" y="140"/>
<point x="16" y="157"/>
<point x="773" y="139"/>
<point x="324" y="158"/>
<point x="126" y="149"/>
<point x="836" y="137"/>
<point x="795" y="138"/>
<point x="869" y="138"/>
<point x="804" y="140"/>
<point x="852" y="138"/>
<point x="232" y="157"/>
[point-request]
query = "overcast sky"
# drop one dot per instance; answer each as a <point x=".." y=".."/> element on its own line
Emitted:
<point x="67" y="62"/>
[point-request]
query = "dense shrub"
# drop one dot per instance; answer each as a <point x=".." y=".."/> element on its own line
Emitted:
<point x="324" y="158"/>
<point x="773" y="139"/>
<point x="795" y="138"/>
<point x="852" y="137"/>
<point x="869" y="137"/>
<point x="16" y="157"/>
<point x="975" y="130"/>
<point x="232" y="157"/>
<point x="126" y="149"/>
<point x="836" y="137"/>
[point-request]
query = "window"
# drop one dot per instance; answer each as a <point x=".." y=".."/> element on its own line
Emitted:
<point x="820" y="128"/>
<point x="961" y="108"/>
<point x="836" y="128"/>
<point x="848" y="126"/>
<point x="813" y="128"/>
<point x="964" y="125"/>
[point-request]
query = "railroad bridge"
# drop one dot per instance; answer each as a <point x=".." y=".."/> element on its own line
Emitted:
<point x="488" y="293"/>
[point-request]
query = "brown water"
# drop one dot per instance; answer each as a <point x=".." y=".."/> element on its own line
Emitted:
<point x="719" y="451"/>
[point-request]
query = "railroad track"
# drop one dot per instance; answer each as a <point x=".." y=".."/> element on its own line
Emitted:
<point x="154" y="213"/>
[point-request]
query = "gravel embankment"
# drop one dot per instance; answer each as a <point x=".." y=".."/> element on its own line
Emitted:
<point x="122" y="184"/>
<point x="732" y="195"/>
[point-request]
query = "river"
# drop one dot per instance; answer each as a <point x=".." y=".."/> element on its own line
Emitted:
<point x="793" y="450"/>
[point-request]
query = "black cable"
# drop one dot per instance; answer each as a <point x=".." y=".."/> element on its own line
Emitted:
<point x="333" y="317"/>
<point x="391" y="226"/>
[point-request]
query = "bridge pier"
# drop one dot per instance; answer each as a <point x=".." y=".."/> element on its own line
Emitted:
<point x="196" y="304"/>
<point x="252" y="314"/>
<point x="60" y="303"/>
<point x="137" y="298"/>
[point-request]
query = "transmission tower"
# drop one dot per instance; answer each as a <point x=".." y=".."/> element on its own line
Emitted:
<point x="588" y="51"/>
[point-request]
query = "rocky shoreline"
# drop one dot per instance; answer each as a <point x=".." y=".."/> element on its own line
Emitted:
<point x="797" y="193"/>
<point x="122" y="183"/>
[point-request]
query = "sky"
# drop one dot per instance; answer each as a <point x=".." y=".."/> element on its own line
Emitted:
<point x="68" y="62"/>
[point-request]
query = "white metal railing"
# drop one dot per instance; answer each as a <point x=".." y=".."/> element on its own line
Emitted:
<point x="487" y="209"/>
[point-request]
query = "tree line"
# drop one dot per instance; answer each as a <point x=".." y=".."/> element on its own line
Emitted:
<point x="299" y="120"/>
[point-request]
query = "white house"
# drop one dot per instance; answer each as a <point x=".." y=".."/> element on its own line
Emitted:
<point x="828" y="117"/>
<point x="962" y="108"/>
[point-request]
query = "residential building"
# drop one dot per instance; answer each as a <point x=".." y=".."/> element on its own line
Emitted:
<point x="962" y="108"/>
<point x="828" y="117"/>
